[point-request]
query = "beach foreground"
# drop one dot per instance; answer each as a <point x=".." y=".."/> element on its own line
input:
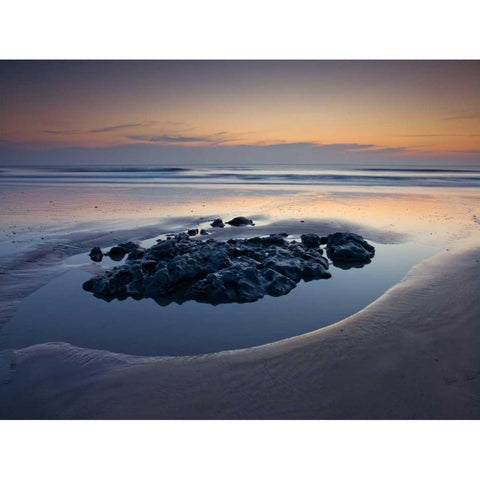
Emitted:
<point x="406" y="348"/>
<point x="412" y="354"/>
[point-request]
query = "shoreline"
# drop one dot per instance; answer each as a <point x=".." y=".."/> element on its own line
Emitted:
<point x="412" y="353"/>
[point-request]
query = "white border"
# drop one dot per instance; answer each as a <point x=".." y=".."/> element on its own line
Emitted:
<point x="233" y="30"/>
<point x="256" y="29"/>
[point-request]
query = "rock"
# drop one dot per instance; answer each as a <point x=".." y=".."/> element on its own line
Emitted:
<point x="310" y="240"/>
<point x="96" y="254"/>
<point x="217" y="223"/>
<point x="349" y="248"/>
<point x="149" y="267"/>
<point x="240" y="221"/>
<point x="136" y="254"/>
<point x="278" y="284"/>
<point x="183" y="268"/>
<point x="120" y="278"/>
<point x="117" y="253"/>
<point x="203" y="232"/>
<point x="216" y="260"/>
<point x="129" y="246"/>
<point x="164" y="249"/>
<point x="97" y="285"/>
<point x="192" y="232"/>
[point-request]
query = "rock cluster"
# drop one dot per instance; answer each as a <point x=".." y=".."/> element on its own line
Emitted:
<point x="183" y="268"/>
<point x="234" y="222"/>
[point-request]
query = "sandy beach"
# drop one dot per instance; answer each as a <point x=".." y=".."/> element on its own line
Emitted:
<point x="411" y="354"/>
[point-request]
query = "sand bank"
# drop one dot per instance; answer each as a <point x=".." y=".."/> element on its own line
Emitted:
<point x="412" y="354"/>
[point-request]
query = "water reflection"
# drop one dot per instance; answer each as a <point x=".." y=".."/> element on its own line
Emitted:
<point x="62" y="311"/>
<point x="348" y="265"/>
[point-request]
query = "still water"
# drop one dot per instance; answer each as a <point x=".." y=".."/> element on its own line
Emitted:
<point x="62" y="312"/>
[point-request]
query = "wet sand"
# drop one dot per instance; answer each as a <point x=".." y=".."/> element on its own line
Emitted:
<point x="413" y="353"/>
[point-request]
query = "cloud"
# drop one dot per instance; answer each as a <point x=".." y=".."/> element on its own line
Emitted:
<point x="62" y="132"/>
<point x="351" y="146"/>
<point x="463" y="115"/>
<point x="114" y="128"/>
<point x="472" y="151"/>
<point x="442" y="135"/>
<point x="106" y="129"/>
<point x="387" y="150"/>
<point x="327" y="146"/>
<point x="213" y="139"/>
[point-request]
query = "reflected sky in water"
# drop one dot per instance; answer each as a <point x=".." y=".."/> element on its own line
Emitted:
<point x="40" y="216"/>
<point x="62" y="311"/>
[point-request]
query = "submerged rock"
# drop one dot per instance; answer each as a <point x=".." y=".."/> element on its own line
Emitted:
<point x="240" y="221"/>
<point x="203" y="232"/>
<point x="210" y="271"/>
<point x="347" y="249"/>
<point x="217" y="223"/>
<point x="96" y="254"/>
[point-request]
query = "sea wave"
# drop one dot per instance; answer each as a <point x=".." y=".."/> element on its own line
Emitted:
<point x="419" y="177"/>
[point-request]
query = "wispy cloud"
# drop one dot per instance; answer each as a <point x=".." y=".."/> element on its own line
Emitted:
<point x="351" y="146"/>
<point x="62" y="132"/>
<point x="463" y="115"/>
<point x="114" y="128"/>
<point x="387" y="150"/>
<point x="212" y="139"/>
<point x="106" y="129"/>
<point x="328" y="146"/>
<point x="441" y="135"/>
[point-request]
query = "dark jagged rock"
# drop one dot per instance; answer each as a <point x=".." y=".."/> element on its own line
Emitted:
<point x="96" y="254"/>
<point x="149" y="267"/>
<point x="240" y="222"/>
<point x="192" y="232"/>
<point x="211" y="271"/>
<point x="136" y="254"/>
<point x="217" y="223"/>
<point x="117" y="253"/>
<point x="310" y="240"/>
<point x="347" y="249"/>
<point x="129" y="246"/>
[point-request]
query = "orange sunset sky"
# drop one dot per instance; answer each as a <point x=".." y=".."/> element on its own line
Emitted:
<point x="417" y="109"/>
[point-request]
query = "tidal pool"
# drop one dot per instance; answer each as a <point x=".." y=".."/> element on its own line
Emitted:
<point x="62" y="311"/>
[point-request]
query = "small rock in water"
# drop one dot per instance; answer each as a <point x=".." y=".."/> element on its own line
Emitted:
<point x="347" y="249"/>
<point x="240" y="221"/>
<point x="96" y="254"/>
<point x="217" y="223"/>
<point x="129" y="246"/>
<point x="203" y="232"/>
<point x="192" y="232"/>
<point x="117" y="253"/>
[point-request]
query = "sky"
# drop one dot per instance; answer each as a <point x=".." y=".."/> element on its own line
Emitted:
<point x="229" y="111"/>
